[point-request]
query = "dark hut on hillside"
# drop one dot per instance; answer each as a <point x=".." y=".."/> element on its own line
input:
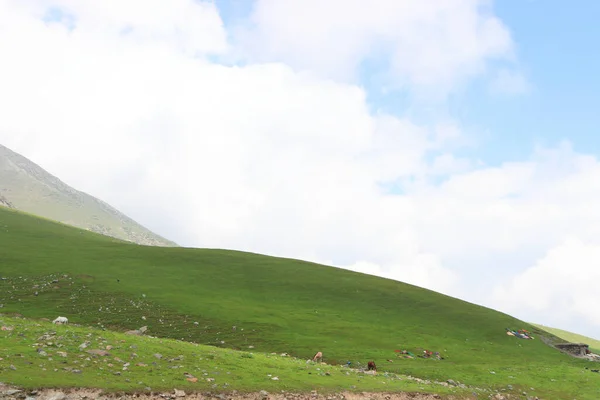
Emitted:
<point x="576" y="349"/>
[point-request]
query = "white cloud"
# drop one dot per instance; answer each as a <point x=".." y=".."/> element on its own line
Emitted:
<point x="270" y="159"/>
<point x="560" y="288"/>
<point x="509" y="82"/>
<point x="193" y="27"/>
<point x="423" y="43"/>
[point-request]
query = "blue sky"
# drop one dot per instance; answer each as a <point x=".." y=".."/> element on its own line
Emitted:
<point x="557" y="44"/>
<point x="557" y="49"/>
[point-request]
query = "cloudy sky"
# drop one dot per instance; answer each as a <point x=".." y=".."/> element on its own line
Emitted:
<point x="450" y="144"/>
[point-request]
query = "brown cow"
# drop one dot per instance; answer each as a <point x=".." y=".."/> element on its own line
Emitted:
<point x="371" y="366"/>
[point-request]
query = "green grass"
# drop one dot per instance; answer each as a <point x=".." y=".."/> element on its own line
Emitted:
<point x="37" y="355"/>
<point x="572" y="337"/>
<point x="277" y="305"/>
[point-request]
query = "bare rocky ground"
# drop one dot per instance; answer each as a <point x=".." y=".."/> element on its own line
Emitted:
<point x="7" y="392"/>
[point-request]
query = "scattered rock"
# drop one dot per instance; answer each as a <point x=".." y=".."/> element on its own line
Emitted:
<point x="137" y="332"/>
<point x="98" y="352"/>
<point x="57" y="396"/>
<point x="179" y="393"/>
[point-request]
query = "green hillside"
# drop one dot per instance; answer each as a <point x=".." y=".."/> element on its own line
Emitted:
<point x="249" y="301"/>
<point x="572" y="337"/>
<point x="25" y="186"/>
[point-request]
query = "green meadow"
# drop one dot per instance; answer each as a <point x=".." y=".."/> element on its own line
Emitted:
<point x="231" y="303"/>
<point x="39" y="354"/>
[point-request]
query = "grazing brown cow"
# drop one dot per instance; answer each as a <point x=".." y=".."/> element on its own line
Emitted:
<point x="318" y="356"/>
<point x="371" y="366"/>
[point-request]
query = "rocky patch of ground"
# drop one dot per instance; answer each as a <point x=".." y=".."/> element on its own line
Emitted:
<point x="11" y="393"/>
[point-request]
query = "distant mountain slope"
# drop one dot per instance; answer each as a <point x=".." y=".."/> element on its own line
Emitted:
<point x="27" y="187"/>
<point x="572" y="337"/>
<point x="4" y="202"/>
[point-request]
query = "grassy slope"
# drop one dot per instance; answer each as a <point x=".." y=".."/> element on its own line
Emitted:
<point x="132" y="364"/>
<point x="27" y="187"/>
<point x="572" y="337"/>
<point x="276" y="304"/>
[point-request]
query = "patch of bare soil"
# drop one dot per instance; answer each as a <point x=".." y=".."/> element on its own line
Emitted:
<point x="11" y="393"/>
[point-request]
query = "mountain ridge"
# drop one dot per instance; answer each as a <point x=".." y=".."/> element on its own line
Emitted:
<point x="26" y="186"/>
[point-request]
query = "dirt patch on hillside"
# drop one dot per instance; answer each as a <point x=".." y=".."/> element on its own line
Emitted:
<point x="7" y="393"/>
<point x="248" y="396"/>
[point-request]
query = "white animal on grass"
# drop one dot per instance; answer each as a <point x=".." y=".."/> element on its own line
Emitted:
<point x="318" y="356"/>
<point x="61" y="320"/>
